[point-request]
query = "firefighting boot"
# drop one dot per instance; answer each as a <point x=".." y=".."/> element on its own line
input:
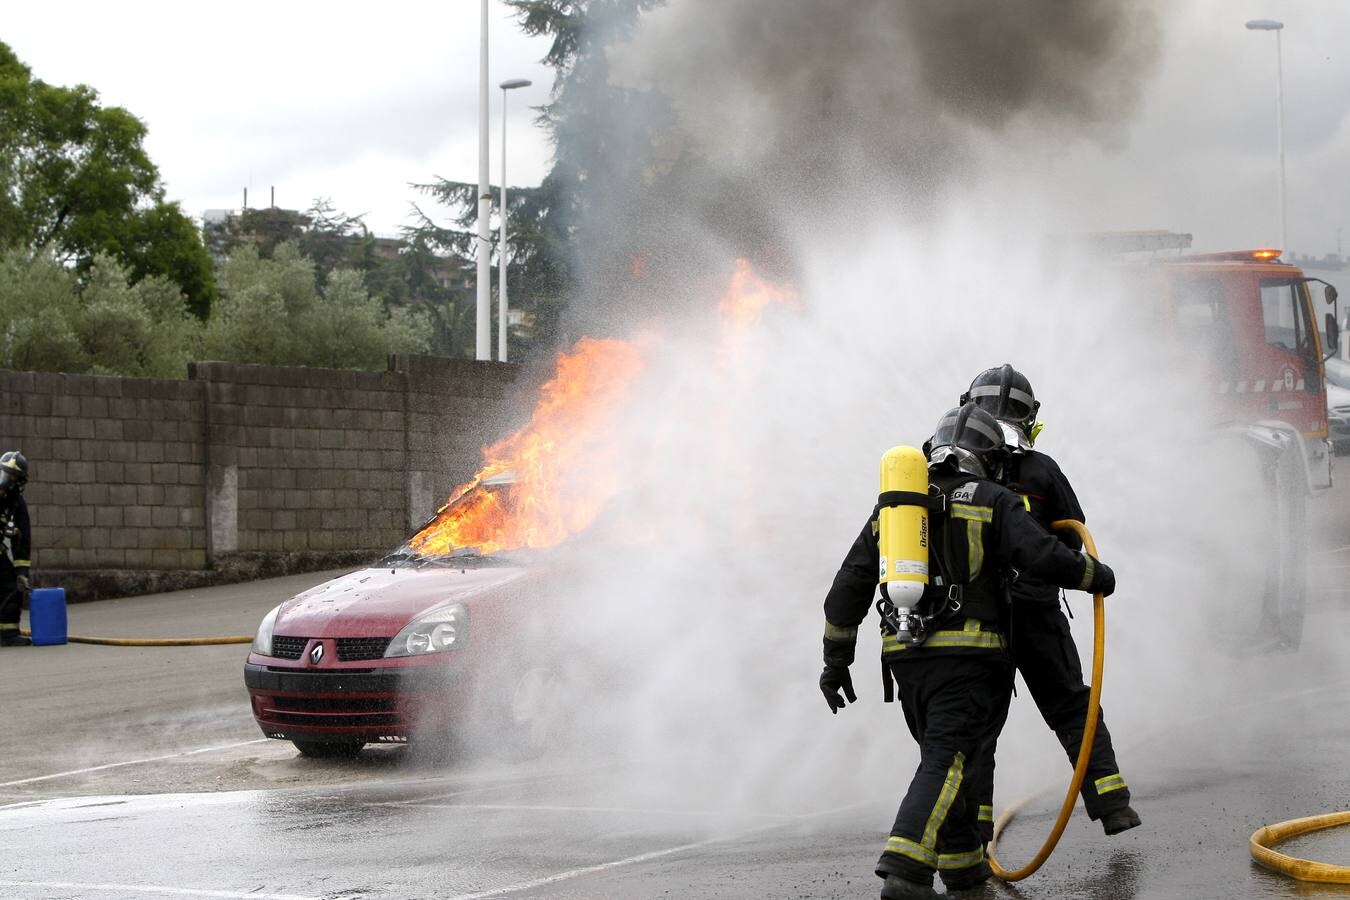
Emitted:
<point x="12" y="638"/>
<point x="1122" y="819"/>
<point x="897" y="888"/>
<point x="968" y="878"/>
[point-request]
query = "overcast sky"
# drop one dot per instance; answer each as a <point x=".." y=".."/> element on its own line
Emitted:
<point x="354" y="101"/>
<point x="350" y="101"/>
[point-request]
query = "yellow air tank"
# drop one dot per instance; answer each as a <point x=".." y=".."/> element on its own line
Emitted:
<point x="904" y="525"/>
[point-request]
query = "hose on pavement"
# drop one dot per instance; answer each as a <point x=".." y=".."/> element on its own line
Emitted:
<point x="1264" y="839"/>
<point x="156" y="642"/>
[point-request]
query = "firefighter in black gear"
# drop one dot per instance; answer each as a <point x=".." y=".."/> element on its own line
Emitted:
<point x="16" y="533"/>
<point x="1042" y="645"/>
<point x="952" y="684"/>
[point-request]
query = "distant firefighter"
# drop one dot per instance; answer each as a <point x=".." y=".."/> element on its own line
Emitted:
<point x="18" y="538"/>
<point x="946" y="655"/>
<point x="1042" y="645"/>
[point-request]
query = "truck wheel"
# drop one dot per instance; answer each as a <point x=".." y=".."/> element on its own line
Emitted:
<point x="1286" y="586"/>
<point x="329" y="749"/>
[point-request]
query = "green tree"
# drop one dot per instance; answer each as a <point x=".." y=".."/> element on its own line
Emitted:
<point x="140" y="330"/>
<point x="273" y="311"/>
<point x="563" y="227"/>
<point x="425" y="280"/>
<point x="75" y="181"/>
<point x="51" y="319"/>
<point x="39" y="304"/>
<point x="329" y="238"/>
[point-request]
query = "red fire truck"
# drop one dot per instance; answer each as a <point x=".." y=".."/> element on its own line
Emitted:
<point x="1256" y="319"/>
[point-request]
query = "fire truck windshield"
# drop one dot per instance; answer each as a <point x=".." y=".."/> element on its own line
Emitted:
<point x="1286" y="315"/>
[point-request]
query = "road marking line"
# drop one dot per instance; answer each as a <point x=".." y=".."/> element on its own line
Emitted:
<point x="130" y="762"/>
<point x="644" y="857"/>
<point x="154" y="889"/>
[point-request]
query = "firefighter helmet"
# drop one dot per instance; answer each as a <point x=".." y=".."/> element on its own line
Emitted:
<point x="1006" y="394"/>
<point x="971" y="438"/>
<point x="13" y="471"/>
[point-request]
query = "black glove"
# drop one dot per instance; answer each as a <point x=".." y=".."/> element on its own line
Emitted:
<point x="23" y="583"/>
<point x="1103" y="580"/>
<point x="831" y="680"/>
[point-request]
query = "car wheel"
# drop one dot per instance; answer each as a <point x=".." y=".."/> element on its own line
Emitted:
<point x="329" y="749"/>
<point x="534" y="711"/>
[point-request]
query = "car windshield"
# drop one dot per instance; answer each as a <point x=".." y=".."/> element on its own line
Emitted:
<point x="1338" y="372"/>
<point x="460" y="558"/>
<point x="460" y="533"/>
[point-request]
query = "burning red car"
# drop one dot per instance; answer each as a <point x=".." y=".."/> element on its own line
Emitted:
<point x="451" y="632"/>
<point x="417" y="645"/>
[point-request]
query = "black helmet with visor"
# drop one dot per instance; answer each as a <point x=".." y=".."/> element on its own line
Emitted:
<point x="1006" y="394"/>
<point x="971" y="439"/>
<point x="13" y="472"/>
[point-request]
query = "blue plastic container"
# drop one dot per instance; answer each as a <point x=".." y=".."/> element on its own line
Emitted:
<point x="47" y="615"/>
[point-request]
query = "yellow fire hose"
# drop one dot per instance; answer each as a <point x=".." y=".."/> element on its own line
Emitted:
<point x="1262" y="840"/>
<point x="1303" y="869"/>
<point x="1089" y="732"/>
<point x="155" y="642"/>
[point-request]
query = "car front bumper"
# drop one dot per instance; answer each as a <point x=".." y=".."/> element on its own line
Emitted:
<point x="380" y="704"/>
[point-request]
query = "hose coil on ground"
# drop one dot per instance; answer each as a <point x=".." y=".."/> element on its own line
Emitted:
<point x="1264" y="839"/>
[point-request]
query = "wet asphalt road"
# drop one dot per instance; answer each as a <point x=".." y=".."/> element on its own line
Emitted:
<point x="189" y="802"/>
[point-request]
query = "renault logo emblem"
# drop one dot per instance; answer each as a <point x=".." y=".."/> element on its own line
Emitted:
<point x="316" y="654"/>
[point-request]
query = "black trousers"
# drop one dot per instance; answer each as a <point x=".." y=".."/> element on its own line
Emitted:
<point x="950" y="705"/>
<point x="11" y="599"/>
<point x="1045" y="653"/>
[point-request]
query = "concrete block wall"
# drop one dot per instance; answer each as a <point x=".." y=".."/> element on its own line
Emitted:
<point x="238" y="461"/>
<point x="116" y="469"/>
<point x="303" y="459"/>
<point x="454" y="408"/>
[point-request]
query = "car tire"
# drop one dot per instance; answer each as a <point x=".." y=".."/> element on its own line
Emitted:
<point x="329" y="749"/>
<point x="533" y="711"/>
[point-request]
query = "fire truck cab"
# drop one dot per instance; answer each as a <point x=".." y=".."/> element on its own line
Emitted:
<point x="1265" y="330"/>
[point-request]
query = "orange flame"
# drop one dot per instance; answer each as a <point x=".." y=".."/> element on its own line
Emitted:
<point x="548" y="480"/>
<point x="747" y="296"/>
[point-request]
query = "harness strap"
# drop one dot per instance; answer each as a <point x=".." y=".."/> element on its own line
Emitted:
<point x="935" y="502"/>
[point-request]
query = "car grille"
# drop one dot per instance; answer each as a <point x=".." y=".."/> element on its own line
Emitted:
<point x="332" y="711"/>
<point x="288" y="647"/>
<point x="351" y="649"/>
<point x="348" y="649"/>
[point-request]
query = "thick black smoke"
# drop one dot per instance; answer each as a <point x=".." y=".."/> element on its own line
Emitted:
<point x="779" y="118"/>
<point x="810" y="81"/>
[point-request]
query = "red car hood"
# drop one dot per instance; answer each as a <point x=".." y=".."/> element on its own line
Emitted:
<point x="379" y="602"/>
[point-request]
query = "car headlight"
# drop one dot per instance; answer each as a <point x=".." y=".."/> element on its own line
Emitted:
<point x="262" y="643"/>
<point x="437" y="631"/>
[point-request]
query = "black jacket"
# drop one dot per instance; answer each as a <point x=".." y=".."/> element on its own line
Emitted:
<point x="14" y="514"/>
<point x="995" y="533"/>
<point x="1049" y="498"/>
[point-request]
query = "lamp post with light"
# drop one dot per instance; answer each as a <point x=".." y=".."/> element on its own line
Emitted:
<point x="503" y="308"/>
<point x="1277" y="27"/>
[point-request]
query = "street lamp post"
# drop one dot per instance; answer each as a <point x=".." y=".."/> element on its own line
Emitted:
<point x="483" y="347"/>
<point x="1277" y="27"/>
<point x="503" y="308"/>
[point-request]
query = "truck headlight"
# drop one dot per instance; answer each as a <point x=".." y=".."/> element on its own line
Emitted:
<point x="262" y="643"/>
<point x="437" y="631"/>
